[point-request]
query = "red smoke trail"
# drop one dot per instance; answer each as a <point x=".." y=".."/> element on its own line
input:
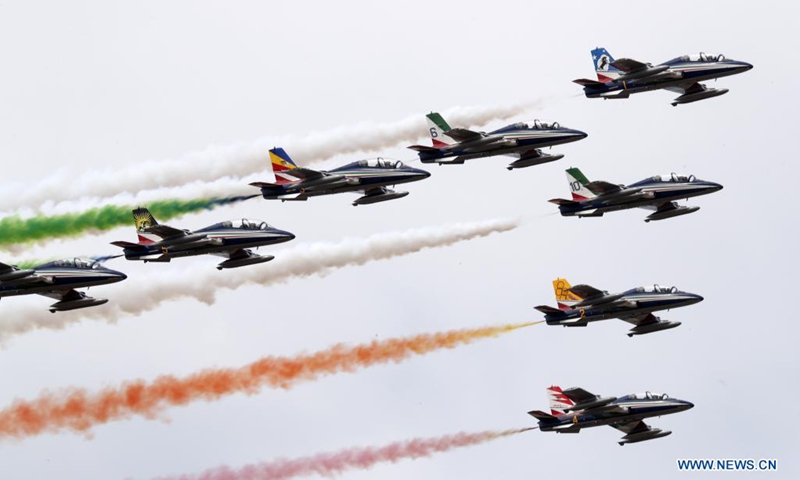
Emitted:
<point x="79" y="410"/>
<point x="330" y="464"/>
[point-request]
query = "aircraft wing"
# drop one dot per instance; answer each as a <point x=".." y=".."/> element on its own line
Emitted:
<point x="166" y="232"/>
<point x="603" y="188"/>
<point x="67" y="294"/>
<point x="635" y="426"/>
<point x="6" y="268"/>
<point x="464" y="135"/>
<point x="640" y="319"/>
<point x="10" y="274"/>
<point x="687" y="87"/>
<point x="579" y="395"/>
<point x="586" y="291"/>
<point x="305" y="174"/>
<point x="628" y="65"/>
<point x="661" y="207"/>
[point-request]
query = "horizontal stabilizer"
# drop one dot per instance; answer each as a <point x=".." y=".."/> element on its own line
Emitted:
<point x="264" y="185"/>
<point x="423" y="148"/>
<point x="543" y="416"/>
<point x="131" y="245"/>
<point x="588" y="83"/>
<point x="548" y="310"/>
<point x="562" y="201"/>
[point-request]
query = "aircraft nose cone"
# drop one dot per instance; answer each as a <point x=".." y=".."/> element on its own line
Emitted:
<point x="287" y="236"/>
<point x="747" y="66"/>
<point x="120" y="276"/>
<point x="715" y="187"/>
<point x="688" y="405"/>
<point x="698" y="298"/>
<point x="580" y="135"/>
<point x="422" y="173"/>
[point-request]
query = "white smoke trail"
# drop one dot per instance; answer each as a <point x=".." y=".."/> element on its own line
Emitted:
<point x="236" y="160"/>
<point x="202" y="282"/>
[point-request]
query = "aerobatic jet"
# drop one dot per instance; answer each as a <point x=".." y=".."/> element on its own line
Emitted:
<point x="618" y="79"/>
<point x="658" y="193"/>
<point x="574" y="409"/>
<point x="370" y="177"/>
<point x="58" y="280"/>
<point x="453" y="146"/>
<point x="582" y="304"/>
<point x="231" y="239"/>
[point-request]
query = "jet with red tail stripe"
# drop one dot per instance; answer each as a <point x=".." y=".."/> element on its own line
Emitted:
<point x="574" y="409"/>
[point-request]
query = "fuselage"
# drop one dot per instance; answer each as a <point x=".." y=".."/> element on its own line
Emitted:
<point x="637" y="301"/>
<point x="629" y="408"/>
<point x="655" y="190"/>
<point x="679" y="72"/>
<point x="354" y="177"/>
<point x="219" y="238"/>
<point x="62" y="275"/>
<point x="510" y="139"/>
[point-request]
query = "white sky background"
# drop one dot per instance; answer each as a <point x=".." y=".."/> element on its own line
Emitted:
<point x="91" y="84"/>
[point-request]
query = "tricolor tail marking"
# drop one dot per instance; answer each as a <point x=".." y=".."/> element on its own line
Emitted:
<point x="143" y="220"/>
<point x="564" y="297"/>
<point x="281" y="163"/>
<point x="578" y="185"/>
<point x="558" y="401"/>
<point x="438" y="127"/>
<point x="602" y="65"/>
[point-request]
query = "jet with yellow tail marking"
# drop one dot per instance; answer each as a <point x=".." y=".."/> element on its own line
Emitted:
<point x="370" y="177"/>
<point x="581" y="304"/>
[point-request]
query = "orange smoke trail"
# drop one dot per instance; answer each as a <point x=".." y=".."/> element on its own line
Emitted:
<point x="79" y="410"/>
<point x="330" y="464"/>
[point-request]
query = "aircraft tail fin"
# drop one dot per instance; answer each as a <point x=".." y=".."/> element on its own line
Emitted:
<point x="438" y="127"/>
<point x="143" y="220"/>
<point x="578" y="184"/>
<point x="602" y="65"/>
<point x="564" y="297"/>
<point x="558" y="401"/>
<point x="281" y="164"/>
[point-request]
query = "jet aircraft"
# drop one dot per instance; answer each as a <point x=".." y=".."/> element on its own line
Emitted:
<point x="58" y="280"/>
<point x="574" y="409"/>
<point x="618" y="79"/>
<point x="453" y="146"/>
<point x="658" y="193"/>
<point x="231" y="239"/>
<point x="371" y="177"/>
<point x="581" y="304"/>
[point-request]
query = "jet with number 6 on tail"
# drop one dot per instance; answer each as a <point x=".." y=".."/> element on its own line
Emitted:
<point x="232" y="239"/>
<point x="454" y="146"/>
<point x="658" y="193"/>
<point x="582" y="304"/>
<point x="574" y="409"/>
<point x="370" y="177"/>
<point x="618" y="79"/>
<point x="58" y="280"/>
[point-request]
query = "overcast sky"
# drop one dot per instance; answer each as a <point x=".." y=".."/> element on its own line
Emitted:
<point x="96" y="84"/>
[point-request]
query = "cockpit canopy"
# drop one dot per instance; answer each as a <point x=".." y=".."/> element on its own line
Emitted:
<point x="82" y="263"/>
<point x="646" y="396"/>
<point x="380" y="162"/>
<point x="244" y="224"/>
<point x="657" y="289"/>
<point x="703" y="57"/>
<point x="675" y="177"/>
<point x="537" y="125"/>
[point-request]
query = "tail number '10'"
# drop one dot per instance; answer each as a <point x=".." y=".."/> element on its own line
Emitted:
<point x="575" y="186"/>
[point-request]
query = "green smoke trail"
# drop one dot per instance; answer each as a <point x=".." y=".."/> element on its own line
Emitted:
<point x="16" y="230"/>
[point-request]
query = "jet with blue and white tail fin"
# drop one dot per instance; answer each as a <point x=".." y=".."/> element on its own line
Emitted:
<point x="574" y="409"/>
<point x="371" y="177"/>
<point x="618" y="79"/>
<point x="657" y="193"/>
<point x="454" y="146"/>
<point x="582" y="304"/>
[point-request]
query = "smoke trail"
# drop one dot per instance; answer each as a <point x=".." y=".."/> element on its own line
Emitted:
<point x="203" y="282"/>
<point x="15" y="230"/>
<point x="240" y="159"/>
<point x="359" y="458"/>
<point x="78" y="410"/>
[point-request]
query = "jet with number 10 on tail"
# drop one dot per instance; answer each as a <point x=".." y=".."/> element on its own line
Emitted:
<point x="58" y="280"/>
<point x="453" y="146"/>
<point x="618" y="79"/>
<point x="231" y="239"/>
<point x="582" y="304"/>
<point x="574" y="409"/>
<point x="658" y="193"/>
<point x="370" y="177"/>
